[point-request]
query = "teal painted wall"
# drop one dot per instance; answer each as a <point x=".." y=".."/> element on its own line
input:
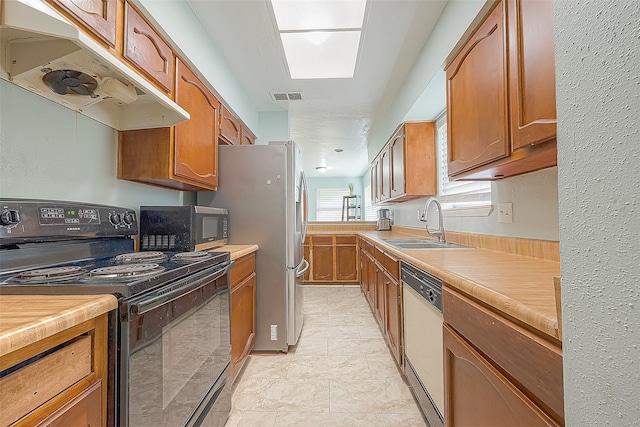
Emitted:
<point x="330" y="182"/>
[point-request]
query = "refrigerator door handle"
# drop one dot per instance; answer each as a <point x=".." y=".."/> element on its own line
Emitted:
<point x="305" y="222"/>
<point x="306" y="267"/>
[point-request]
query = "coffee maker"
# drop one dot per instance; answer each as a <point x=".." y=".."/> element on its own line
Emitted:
<point x="384" y="220"/>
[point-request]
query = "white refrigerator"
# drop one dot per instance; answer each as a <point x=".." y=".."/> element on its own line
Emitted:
<point x="264" y="189"/>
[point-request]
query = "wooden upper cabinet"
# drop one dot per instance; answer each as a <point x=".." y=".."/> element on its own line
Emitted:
<point x="384" y="175"/>
<point x="477" y="120"/>
<point x="406" y="168"/>
<point x="247" y="137"/>
<point x="146" y="50"/>
<point x="396" y="152"/>
<point x="196" y="140"/>
<point x="230" y="127"/>
<point x="532" y="83"/>
<point x="97" y="16"/>
<point x="501" y="107"/>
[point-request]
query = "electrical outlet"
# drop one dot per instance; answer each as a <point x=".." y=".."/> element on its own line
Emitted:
<point x="505" y="213"/>
<point x="274" y="332"/>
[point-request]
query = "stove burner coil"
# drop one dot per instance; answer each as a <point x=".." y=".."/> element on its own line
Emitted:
<point x="44" y="275"/>
<point x="126" y="271"/>
<point x="187" y="257"/>
<point x="135" y="257"/>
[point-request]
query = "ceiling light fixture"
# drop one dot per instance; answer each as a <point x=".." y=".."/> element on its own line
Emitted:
<point x="320" y="38"/>
<point x="321" y="169"/>
<point x="338" y="150"/>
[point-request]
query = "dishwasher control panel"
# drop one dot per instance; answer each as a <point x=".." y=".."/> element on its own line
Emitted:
<point x="426" y="285"/>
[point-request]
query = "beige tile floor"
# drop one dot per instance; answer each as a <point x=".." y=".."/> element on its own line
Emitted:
<point x="340" y="373"/>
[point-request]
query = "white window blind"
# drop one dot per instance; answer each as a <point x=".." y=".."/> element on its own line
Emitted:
<point x="370" y="211"/>
<point x="329" y="203"/>
<point x="457" y="194"/>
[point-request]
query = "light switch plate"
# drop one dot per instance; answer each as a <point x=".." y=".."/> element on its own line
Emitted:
<point x="505" y="213"/>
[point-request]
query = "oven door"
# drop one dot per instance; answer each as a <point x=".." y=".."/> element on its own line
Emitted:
<point x="175" y="348"/>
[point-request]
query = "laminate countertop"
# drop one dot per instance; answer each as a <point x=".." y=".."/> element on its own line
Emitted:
<point x="25" y="319"/>
<point x="237" y="251"/>
<point x="520" y="287"/>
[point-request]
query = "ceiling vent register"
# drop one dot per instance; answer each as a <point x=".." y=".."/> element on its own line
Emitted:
<point x="287" y="96"/>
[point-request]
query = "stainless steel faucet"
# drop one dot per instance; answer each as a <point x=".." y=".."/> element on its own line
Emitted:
<point x="440" y="232"/>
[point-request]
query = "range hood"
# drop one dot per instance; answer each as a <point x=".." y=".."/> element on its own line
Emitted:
<point x="36" y="40"/>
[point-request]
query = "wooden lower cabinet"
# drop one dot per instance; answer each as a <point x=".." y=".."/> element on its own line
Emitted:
<point x="380" y="283"/>
<point x="322" y="259"/>
<point x="497" y="373"/>
<point x="58" y="381"/>
<point x="393" y="316"/>
<point x="332" y="259"/>
<point x="243" y="312"/>
<point x="476" y="394"/>
<point x="84" y="410"/>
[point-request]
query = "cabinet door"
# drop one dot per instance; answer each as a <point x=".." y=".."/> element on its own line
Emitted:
<point x="477" y="121"/>
<point x="243" y="321"/>
<point x="322" y="254"/>
<point x="146" y="49"/>
<point x="477" y="394"/>
<point x="230" y="128"/>
<point x="393" y="316"/>
<point x="364" y="276"/>
<point x="247" y="137"/>
<point x="373" y="172"/>
<point x="371" y="283"/>
<point x="346" y="263"/>
<point x="396" y="160"/>
<point x="196" y="141"/>
<point x="384" y="175"/>
<point x="99" y="16"/>
<point x="84" y="410"/>
<point x="379" y="295"/>
<point x="532" y="85"/>
<point x="307" y="255"/>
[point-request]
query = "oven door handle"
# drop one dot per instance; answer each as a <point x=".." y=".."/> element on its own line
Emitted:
<point x="185" y="286"/>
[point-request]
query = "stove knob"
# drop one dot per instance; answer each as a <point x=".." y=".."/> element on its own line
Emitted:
<point x="9" y="217"/>
<point x="115" y="218"/>
<point x="128" y="218"/>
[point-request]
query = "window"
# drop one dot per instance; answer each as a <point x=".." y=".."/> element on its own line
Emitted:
<point x="370" y="211"/>
<point x="459" y="198"/>
<point x="329" y="203"/>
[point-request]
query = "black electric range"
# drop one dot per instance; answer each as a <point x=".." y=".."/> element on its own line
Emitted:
<point x="169" y="303"/>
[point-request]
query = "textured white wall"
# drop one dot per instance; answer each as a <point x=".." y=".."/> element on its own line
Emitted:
<point x="598" y="103"/>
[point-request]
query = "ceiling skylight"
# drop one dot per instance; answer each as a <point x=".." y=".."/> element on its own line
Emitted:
<point x="320" y="37"/>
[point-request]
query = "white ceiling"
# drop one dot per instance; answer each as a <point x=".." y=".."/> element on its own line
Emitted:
<point x="335" y="113"/>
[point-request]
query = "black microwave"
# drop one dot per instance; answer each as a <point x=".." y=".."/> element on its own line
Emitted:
<point x="182" y="228"/>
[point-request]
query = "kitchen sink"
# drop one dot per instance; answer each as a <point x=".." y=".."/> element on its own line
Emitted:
<point x="423" y="244"/>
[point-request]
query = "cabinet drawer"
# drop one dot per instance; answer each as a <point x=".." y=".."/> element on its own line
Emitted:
<point x="346" y="240"/>
<point x="30" y="386"/>
<point x="322" y="240"/>
<point x="531" y="361"/>
<point x="242" y="269"/>
<point x="389" y="263"/>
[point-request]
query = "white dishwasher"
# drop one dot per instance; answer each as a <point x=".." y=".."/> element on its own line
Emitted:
<point x="423" y="353"/>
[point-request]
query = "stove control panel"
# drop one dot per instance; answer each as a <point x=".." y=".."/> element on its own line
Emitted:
<point x="24" y="220"/>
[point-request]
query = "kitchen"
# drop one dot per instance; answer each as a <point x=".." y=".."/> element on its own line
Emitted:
<point x="43" y="162"/>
